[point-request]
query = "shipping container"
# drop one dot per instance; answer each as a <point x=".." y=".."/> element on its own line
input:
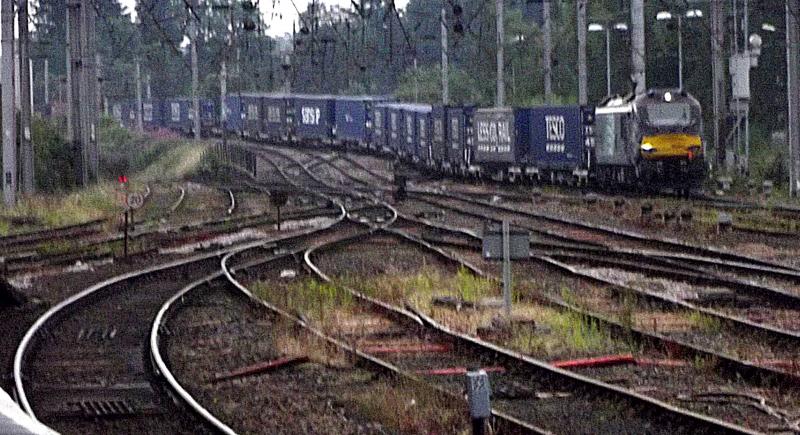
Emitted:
<point x="557" y="138"/>
<point x="275" y="119"/>
<point x="251" y="113"/>
<point x="313" y="118"/>
<point x="152" y="114"/>
<point x="354" y="116"/>
<point x="500" y="136"/>
<point x="416" y="121"/>
<point x="379" y="134"/>
<point x="234" y="122"/>
<point x="438" y="140"/>
<point x="460" y="133"/>
<point x="209" y="119"/>
<point x="396" y="140"/>
<point x="178" y="115"/>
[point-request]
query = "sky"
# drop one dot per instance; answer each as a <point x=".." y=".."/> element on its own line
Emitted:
<point x="282" y="8"/>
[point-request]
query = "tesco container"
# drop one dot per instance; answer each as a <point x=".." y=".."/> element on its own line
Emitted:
<point x="313" y="117"/>
<point x="557" y="138"/>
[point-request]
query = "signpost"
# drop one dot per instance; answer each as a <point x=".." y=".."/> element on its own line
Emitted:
<point x="279" y="198"/>
<point x="501" y="241"/>
<point x="129" y="202"/>
<point x="478" y="393"/>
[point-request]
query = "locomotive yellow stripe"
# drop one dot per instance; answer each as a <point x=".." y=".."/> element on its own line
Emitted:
<point x="670" y="145"/>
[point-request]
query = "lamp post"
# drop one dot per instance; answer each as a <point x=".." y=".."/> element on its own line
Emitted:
<point x="666" y="16"/>
<point x="597" y="27"/>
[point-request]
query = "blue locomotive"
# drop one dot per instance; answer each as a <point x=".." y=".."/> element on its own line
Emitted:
<point x="653" y="139"/>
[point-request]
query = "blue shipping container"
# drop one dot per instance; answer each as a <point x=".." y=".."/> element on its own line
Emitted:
<point x="459" y="136"/>
<point x="438" y="139"/>
<point x="379" y="133"/>
<point x="251" y="114"/>
<point x="275" y="117"/>
<point x="354" y="119"/>
<point x="556" y="138"/>
<point x="313" y="117"/>
<point x="233" y="110"/>
<point x="416" y="118"/>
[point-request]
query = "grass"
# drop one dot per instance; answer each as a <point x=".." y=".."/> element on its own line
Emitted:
<point x="405" y="407"/>
<point x="420" y="288"/>
<point x="143" y="160"/>
<point x="562" y="334"/>
<point x="316" y="300"/>
<point x="704" y="322"/>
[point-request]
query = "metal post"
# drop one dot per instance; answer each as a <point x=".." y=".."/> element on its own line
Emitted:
<point x="547" y="52"/>
<point x="608" y="59"/>
<point x="25" y="140"/>
<point x="223" y="95"/>
<point x="99" y="84"/>
<point x="680" y="52"/>
<point x="195" y="79"/>
<point x="416" y="78"/>
<point x="507" y="267"/>
<point x="793" y="92"/>
<point x="46" y="82"/>
<point x="583" y="78"/>
<point x="87" y="86"/>
<point x="637" y="45"/>
<point x="718" y="75"/>
<point x="125" y="243"/>
<point x="9" y="123"/>
<point x="445" y="65"/>
<point x="139" y="120"/>
<point x="500" y="97"/>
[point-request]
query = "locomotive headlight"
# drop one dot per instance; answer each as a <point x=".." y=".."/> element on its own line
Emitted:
<point x="647" y="147"/>
<point x="668" y="96"/>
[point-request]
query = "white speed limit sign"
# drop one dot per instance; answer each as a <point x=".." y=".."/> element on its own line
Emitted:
<point x="135" y="200"/>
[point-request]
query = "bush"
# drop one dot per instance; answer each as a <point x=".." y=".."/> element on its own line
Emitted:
<point x="54" y="157"/>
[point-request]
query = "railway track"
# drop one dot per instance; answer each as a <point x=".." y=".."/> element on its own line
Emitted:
<point x="406" y="329"/>
<point x="640" y="411"/>
<point x="732" y="365"/>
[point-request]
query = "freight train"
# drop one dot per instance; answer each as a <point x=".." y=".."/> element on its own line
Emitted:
<point x="649" y="141"/>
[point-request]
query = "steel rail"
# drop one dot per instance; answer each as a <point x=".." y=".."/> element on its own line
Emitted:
<point x="179" y="201"/>
<point x="655" y="296"/>
<point x="632" y="235"/>
<point x="528" y="361"/>
<point x="232" y="207"/>
<point x="19" y="386"/>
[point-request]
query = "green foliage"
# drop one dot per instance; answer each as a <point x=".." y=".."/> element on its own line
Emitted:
<point x="463" y="87"/>
<point x="471" y="287"/>
<point x="55" y="170"/>
<point x="705" y="322"/>
<point x="309" y="297"/>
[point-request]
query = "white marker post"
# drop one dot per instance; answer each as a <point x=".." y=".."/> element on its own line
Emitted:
<point x="479" y="397"/>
